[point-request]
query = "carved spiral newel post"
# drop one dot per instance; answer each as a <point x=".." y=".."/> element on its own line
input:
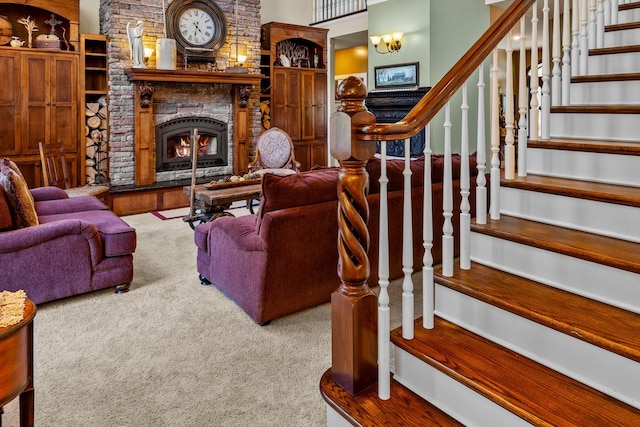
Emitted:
<point x="353" y="304"/>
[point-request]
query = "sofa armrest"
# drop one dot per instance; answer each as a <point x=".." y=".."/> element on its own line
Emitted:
<point x="240" y="230"/>
<point x="30" y="238"/>
<point x="48" y="193"/>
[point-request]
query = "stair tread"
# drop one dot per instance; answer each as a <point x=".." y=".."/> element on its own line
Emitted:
<point x="597" y="109"/>
<point x="597" y="191"/>
<point x="614" y="50"/>
<point x="611" y="328"/>
<point x="604" y="250"/>
<point x="367" y="409"/>
<point x="530" y="390"/>
<point x="622" y="27"/>
<point x="628" y="6"/>
<point x="613" y="77"/>
<point x="590" y="145"/>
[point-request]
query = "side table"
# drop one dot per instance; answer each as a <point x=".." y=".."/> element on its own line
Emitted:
<point x="16" y="365"/>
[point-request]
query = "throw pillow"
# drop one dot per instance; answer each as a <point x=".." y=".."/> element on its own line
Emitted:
<point x="20" y="201"/>
<point x="6" y="223"/>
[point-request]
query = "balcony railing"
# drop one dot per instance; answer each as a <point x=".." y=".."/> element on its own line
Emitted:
<point x="325" y="10"/>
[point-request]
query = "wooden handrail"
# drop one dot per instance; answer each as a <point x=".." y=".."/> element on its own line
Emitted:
<point x="434" y="100"/>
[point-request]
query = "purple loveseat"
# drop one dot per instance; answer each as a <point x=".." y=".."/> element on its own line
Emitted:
<point x="77" y="247"/>
<point x="284" y="259"/>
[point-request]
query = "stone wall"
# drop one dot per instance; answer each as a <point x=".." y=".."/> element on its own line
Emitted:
<point x="171" y="100"/>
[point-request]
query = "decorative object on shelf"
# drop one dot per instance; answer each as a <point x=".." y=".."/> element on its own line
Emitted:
<point x="291" y="53"/>
<point x="399" y="75"/>
<point x="392" y="42"/>
<point x="52" y="22"/>
<point x="136" y="49"/>
<point x="166" y="55"/>
<point x="198" y="27"/>
<point x="240" y="51"/>
<point x="30" y="26"/>
<point x="6" y="30"/>
<point x="285" y="61"/>
<point x="16" y="42"/>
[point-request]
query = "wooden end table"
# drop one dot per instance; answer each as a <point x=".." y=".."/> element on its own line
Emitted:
<point x="16" y="365"/>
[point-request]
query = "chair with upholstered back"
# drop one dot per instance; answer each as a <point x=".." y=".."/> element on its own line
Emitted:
<point x="274" y="154"/>
<point x="56" y="173"/>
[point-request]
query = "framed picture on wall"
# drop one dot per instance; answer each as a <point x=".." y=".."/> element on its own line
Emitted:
<point x="398" y="75"/>
<point x="339" y="78"/>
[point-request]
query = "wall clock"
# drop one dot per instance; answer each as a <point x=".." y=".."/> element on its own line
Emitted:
<point x="199" y="27"/>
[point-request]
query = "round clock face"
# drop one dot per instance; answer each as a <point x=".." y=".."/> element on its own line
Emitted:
<point x="199" y="25"/>
<point x="196" y="26"/>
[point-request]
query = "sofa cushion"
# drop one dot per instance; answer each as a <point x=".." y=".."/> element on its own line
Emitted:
<point x="74" y="204"/>
<point x="19" y="199"/>
<point x="118" y="238"/>
<point x="300" y="189"/>
<point x="6" y="223"/>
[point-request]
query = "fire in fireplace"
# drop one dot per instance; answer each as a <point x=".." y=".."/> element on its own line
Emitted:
<point x="174" y="143"/>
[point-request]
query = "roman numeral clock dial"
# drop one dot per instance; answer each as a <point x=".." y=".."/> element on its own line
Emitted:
<point x="198" y="27"/>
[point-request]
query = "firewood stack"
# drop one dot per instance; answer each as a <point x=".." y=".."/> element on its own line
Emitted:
<point x="265" y="115"/>
<point x="96" y="158"/>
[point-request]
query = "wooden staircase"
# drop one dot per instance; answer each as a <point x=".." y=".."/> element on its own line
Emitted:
<point x="544" y="328"/>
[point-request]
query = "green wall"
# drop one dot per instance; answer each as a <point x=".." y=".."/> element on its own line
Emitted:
<point x="436" y="34"/>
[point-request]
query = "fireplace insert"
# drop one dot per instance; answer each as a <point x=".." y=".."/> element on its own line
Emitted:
<point x="174" y="143"/>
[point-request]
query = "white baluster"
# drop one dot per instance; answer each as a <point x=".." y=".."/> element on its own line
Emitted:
<point x="606" y="6"/>
<point x="522" y="103"/>
<point x="592" y="29"/>
<point x="534" y="84"/>
<point x="428" y="289"/>
<point x="556" y="82"/>
<point x="495" y="140"/>
<point x="509" y="152"/>
<point x="407" y="248"/>
<point x="566" y="49"/>
<point x="384" y="317"/>
<point x="575" y="38"/>
<point x="584" y="42"/>
<point x="447" y="198"/>
<point x="600" y="25"/>
<point x="546" y="89"/>
<point x="465" y="207"/>
<point x="481" y="156"/>
<point x="614" y="12"/>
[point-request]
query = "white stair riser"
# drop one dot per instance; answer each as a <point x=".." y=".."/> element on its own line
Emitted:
<point x="334" y="419"/>
<point x="560" y="271"/>
<point x="623" y="127"/>
<point x="603" y="370"/>
<point x="598" y="167"/>
<point x="602" y="218"/>
<point x="630" y="15"/>
<point x="452" y="397"/>
<point x="605" y="93"/>
<point x="622" y="37"/>
<point x="614" y="63"/>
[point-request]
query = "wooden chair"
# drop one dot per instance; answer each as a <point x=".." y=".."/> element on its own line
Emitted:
<point x="55" y="172"/>
<point x="274" y="154"/>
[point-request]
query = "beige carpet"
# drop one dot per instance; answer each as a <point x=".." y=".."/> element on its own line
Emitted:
<point x="172" y="352"/>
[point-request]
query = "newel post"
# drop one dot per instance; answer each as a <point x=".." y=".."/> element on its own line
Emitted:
<point x="353" y="305"/>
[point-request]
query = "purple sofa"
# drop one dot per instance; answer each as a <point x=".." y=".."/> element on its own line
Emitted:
<point x="284" y="259"/>
<point x="77" y="246"/>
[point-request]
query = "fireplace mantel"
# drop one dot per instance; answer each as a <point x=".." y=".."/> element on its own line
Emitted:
<point x="186" y="76"/>
<point x="145" y="80"/>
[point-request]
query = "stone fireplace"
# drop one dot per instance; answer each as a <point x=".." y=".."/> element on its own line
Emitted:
<point x="195" y="93"/>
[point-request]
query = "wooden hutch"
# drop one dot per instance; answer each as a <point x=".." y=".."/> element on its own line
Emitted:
<point x="294" y="90"/>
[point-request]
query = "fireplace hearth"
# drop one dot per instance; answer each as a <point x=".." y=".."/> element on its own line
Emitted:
<point x="174" y="143"/>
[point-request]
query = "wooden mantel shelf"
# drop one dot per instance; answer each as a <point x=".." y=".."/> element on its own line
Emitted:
<point x="185" y="76"/>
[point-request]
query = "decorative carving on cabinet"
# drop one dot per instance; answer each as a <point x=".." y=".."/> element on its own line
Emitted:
<point x="146" y="93"/>
<point x="244" y="92"/>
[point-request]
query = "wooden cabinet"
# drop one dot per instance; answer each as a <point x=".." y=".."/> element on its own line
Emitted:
<point x="295" y="97"/>
<point x="40" y="104"/>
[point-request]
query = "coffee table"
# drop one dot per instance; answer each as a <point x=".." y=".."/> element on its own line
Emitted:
<point x="211" y="202"/>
